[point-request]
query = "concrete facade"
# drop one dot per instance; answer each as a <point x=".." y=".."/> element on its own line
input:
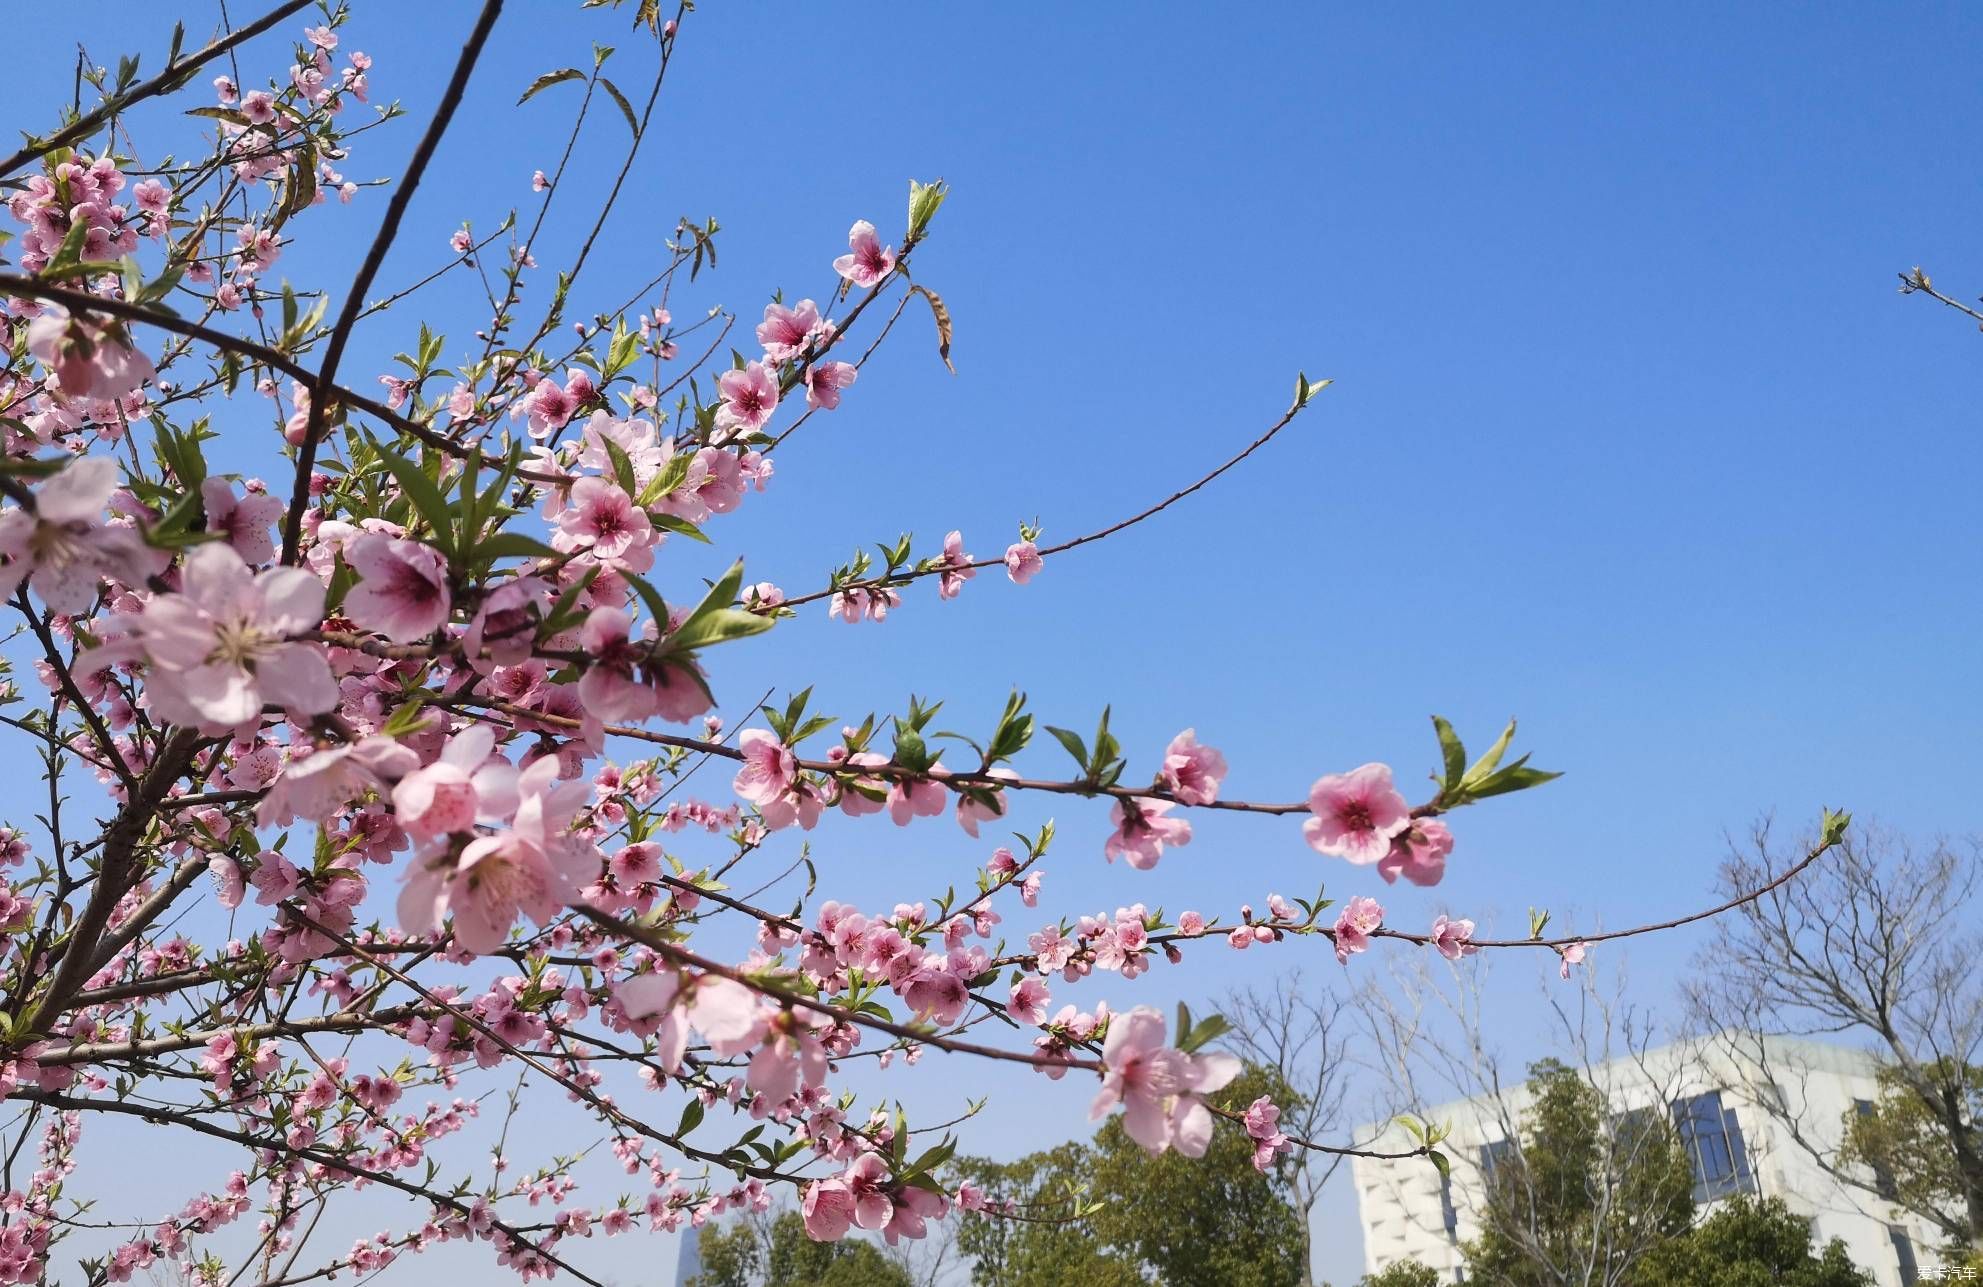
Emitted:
<point x="1713" y="1089"/>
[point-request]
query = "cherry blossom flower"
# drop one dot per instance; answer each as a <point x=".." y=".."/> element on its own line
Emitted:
<point x="90" y="359"/>
<point x="1572" y="955"/>
<point x="1454" y="939"/>
<point x="784" y="332"/>
<point x="828" y="1209"/>
<point x="603" y="520"/>
<point x="62" y="547"/>
<point x="749" y="397"/>
<point x="1356" y="814"/>
<point x="1142" y="831"/>
<point x="1159" y="1087"/>
<point x="402" y="591"/>
<point x="866" y="262"/>
<point x="315" y="785"/>
<point x="1263" y="1118"/>
<point x="769" y="767"/>
<point x="825" y="380"/>
<point x="1029" y="1001"/>
<point x="464" y="784"/>
<point x="957" y="567"/>
<point x="533" y="868"/>
<point x="243" y="520"/>
<point x="1022" y="561"/>
<point x="1360" y="918"/>
<point x="1418" y="853"/>
<point x="1192" y="772"/>
<point x="223" y="647"/>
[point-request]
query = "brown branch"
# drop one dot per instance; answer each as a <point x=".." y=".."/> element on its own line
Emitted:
<point x="171" y="78"/>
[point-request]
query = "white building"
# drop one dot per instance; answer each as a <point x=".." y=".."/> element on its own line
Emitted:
<point x="1712" y="1088"/>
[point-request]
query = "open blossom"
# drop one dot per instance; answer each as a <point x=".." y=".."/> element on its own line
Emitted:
<point x="749" y="397"/>
<point x="466" y="783"/>
<point x="90" y="359"/>
<point x="1263" y="1125"/>
<point x="603" y="519"/>
<point x="957" y="567"/>
<point x="784" y="332"/>
<point x="1356" y="814"/>
<point x="533" y="868"/>
<point x="1572" y="955"/>
<point x="1029" y="1001"/>
<point x="825" y="380"/>
<point x="1360" y="918"/>
<point x="1159" y="1088"/>
<point x="866" y="262"/>
<point x="1192" y="772"/>
<point x="315" y="785"/>
<point x="769" y="767"/>
<point x="402" y="590"/>
<point x="1142" y="831"/>
<point x="1418" y="853"/>
<point x="1454" y="939"/>
<point x="1022" y="561"/>
<point x="243" y="520"/>
<point x="62" y="547"/>
<point x="224" y="646"/>
<point x="623" y="682"/>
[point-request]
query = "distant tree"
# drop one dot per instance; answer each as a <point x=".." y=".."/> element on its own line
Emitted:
<point x="751" y="1253"/>
<point x="1746" y="1242"/>
<point x="1406" y="1273"/>
<point x="1128" y="1218"/>
<point x="1302" y="1032"/>
<point x="1582" y="1197"/>
<point x="1882" y="940"/>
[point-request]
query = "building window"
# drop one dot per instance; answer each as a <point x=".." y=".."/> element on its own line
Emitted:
<point x="1494" y="1154"/>
<point x="1882" y="1178"/>
<point x="1447" y="1211"/>
<point x="1714" y="1147"/>
<point x="1903" y="1250"/>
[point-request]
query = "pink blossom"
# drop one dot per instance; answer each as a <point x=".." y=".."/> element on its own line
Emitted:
<point x="602" y="518"/>
<point x="534" y="868"/>
<point x="1192" y="923"/>
<point x="1159" y="1087"/>
<point x="221" y="649"/>
<point x="243" y="520"/>
<point x="1142" y="831"/>
<point x="315" y="785"/>
<point x="463" y="785"/>
<point x="1454" y="939"/>
<point x="1263" y="1118"/>
<point x="1360" y="918"/>
<point x="62" y="547"/>
<point x="957" y="567"/>
<point x="1192" y="772"/>
<point x="402" y="592"/>
<point x="90" y="359"/>
<point x="749" y="397"/>
<point x="1572" y="955"/>
<point x="1356" y="814"/>
<point x="769" y="767"/>
<point x="915" y="798"/>
<point x="1418" y="853"/>
<point x="1022" y="561"/>
<point x="829" y="1210"/>
<point x="784" y="332"/>
<point x="825" y="380"/>
<point x="1029" y="1001"/>
<point x="866" y="263"/>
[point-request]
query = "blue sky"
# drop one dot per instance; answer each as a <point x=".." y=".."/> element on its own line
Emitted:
<point x="1631" y="437"/>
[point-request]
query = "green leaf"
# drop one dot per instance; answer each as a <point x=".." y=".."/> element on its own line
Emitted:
<point x="691" y="1117"/>
<point x="1439" y="1160"/>
<point x="549" y="79"/>
<point x="426" y="497"/>
<point x="1072" y="741"/>
<point x="513" y="545"/>
<point x="1487" y="763"/>
<point x="622" y="466"/>
<point x="1832" y="829"/>
<point x="679" y="525"/>
<point x="1516" y="777"/>
<point x="924" y="201"/>
<point x="1455" y="754"/>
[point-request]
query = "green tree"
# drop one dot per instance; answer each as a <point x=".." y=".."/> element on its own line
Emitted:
<point x="1747" y="1242"/>
<point x="1582" y="1197"/>
<point x="1906" y="1143"/>
<point x="1126" y="1218"/>
<point x="747" y="1253"/>
<point x="1406" y="1273"/>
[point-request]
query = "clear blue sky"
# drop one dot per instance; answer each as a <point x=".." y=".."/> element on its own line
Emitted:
<point x="1631" y="436"/>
